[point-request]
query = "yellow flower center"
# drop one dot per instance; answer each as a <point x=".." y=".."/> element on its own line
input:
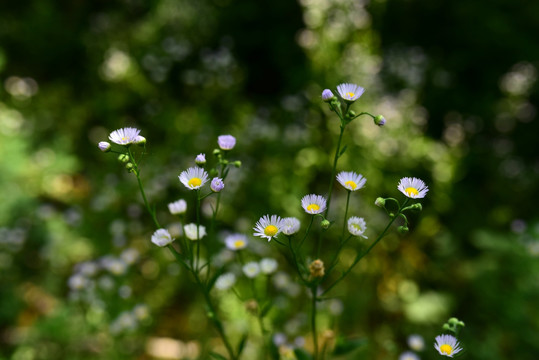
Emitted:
<point x="271" y="230"/>
<point x="411" y="191"/>
<point x="239" y="243"/>
<point x="313" y="207"/>
<point x="350" y="94"/>
<point x="356" y="226"/>
<point x="351" y="184"/>
<point x="446" y="349"/>
<point x="194" y="182"/>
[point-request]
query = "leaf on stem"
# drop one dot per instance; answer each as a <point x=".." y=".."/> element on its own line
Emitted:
<point x="217" y="356"/>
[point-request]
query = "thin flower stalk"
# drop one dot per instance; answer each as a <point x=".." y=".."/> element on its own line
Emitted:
<point x="360" y="256"/>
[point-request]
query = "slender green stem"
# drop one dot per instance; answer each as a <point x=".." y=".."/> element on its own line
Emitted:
<point x="360" y="256"/>
<point x="345" y="214"/>
<point x="306" y="233"/>
<point x="294" y="257"/>
<point x="313" y="322"/>
<point x="334" y="170"/>
<point x="213" y="317"/>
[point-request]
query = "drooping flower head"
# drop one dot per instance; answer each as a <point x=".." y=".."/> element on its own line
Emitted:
<point x="177" y="207"/>
<point x="226" y="142"/>
<point x="413" y="188"/>
<point x="236" y="242"/>
<point x="104" y="146"/>
<point x="351" y="181"/>
<point x="161" y="237"/>
<point x="447" y="345"/>
<point x="268" y="265"/>
<point x="408" y="355"/>
<point x="191" y="231"/>
<point x="350" y="92"/>
<point x="124" y="136"/>
<point x="225" y="281"/>
<point x="217" y="184"/>
<point x="251" y="269"/>
<point x="290" y="225"/>
<point x="268" y="227"/>
<point x="194" y="178"/>
<point x="313" y="204"/>
<point x="357" y="226"/>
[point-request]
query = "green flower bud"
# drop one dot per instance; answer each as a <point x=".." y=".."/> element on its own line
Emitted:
<point x="216" y="152"/>
<point x="446" y="327"/>
<point x="325" y="224"/>
<point x="129" y="166"/>
<point x="380" y="202"/>
<point x="403" y="229"/>
<point x="379" y="120"/>
<point x="237" y="163"/>
<point x="123" y="158"/>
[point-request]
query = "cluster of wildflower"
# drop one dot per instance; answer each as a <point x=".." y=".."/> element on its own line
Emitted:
<point x="210" y="272"/>
<point x="104" y="274"/>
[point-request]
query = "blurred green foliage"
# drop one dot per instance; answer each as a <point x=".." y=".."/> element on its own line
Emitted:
<point x="455" y="80"/>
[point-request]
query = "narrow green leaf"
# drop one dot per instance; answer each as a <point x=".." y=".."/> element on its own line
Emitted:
<point x="241" y="345"/>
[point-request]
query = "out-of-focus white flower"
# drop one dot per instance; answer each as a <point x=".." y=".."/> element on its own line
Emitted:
<point x="225" y="281"/>
<point x="161" y="237"/>
<point x="251" y="269"/>
<point x="177" y="207"/>
<point x="268" y="266"/>
<point x="191" y="231"/>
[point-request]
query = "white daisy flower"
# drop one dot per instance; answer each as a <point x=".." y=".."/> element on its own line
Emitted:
<point x="350" y="92"/>
<point x="408" y="355"/>
<point x="447" y="345"/>
<point x="161" y="237"/>
<point x="357" y="226"/>
<point x="177" y="207"/>
<point x="251" y="269"/>
<point x="268" y="265"/>
<point x="194" y="178"/>
<point x="350" y="180"/>
<point x="290" y="225"/>
<point x="268" y="227"/>
<point x="313" y="204"/>
<point x="236" y="242"/>
<point x="413" y="188"/>
<point x="191" y="231"/>
<point x="124" y="136"/>
<point x="225" y="281"/>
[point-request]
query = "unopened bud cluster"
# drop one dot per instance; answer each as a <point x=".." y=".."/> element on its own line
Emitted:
<point x="317" y="269"/>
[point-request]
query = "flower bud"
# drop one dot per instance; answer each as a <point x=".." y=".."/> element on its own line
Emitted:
<point x="200" y="159"/>
<point x="237" y="163"/>
<point x="217" y="184"/>
<point x="325" y="224"/>
<point x="380" y="202"/>
<point x="216" y="152"/>
<point x="416" y="206"/>
<point x="403" y="229"/>
<point x="123" y="158"/>
<point x="379" y="120"/>
<point x="140" y="140"/>
<point x="104" y="146"/>
<point x="129" y="166"/>
<point x="317" y="268"/>
<point x="327" y="95"/>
